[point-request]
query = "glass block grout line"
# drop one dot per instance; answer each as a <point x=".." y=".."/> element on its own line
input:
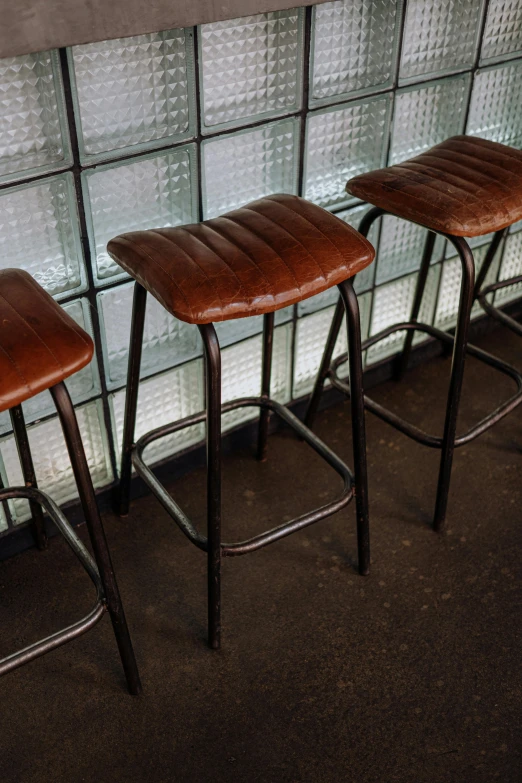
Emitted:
<point x="87" y="253"/>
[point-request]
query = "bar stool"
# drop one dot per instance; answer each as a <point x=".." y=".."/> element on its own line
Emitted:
<point x="270" y="254"/>
<point x="40" y="346"/>
<point x="464" y="187"/>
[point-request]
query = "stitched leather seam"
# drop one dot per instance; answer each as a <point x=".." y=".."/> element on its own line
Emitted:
<point x="261" y="214"/>
<point x="59" y="314"/>
<point x="358" y="237"/>
<point x="379" y="184"/>
<point x="451" y="174"/>
<point x="211" y="282"/>
<point x="228" y="266"/>
<point x="263" y="239"/>
<point x="489" y="163"/>
<point x="498" y="200"/>
<point x="493" y="146"/>
<point x="125" y="238"/>
<point x="17" y="369"/>
<point x="427" y="185"/>
<point x="449" y="157"/>
<point x="235" y="241"/>
<point x="60" y="365"/>
<point x="316" y="228"/>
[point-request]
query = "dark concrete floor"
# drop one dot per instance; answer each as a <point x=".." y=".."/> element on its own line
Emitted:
<point x="411" y="674"/>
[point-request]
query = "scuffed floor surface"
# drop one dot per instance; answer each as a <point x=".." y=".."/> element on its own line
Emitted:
<point x="411" y="674"/>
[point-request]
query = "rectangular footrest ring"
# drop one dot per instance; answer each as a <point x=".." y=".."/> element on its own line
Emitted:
<point x="261" y="540"/>
<point x="406" y="427"/>
<point x="37" y="649"/>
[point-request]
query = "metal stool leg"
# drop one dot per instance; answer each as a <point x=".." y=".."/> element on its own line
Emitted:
<point x="366" y="223"/>
<point x="457" y="374"/>
<point x="213" y="406"/>
<point x="324" y="367"/>
<point x="26" y="461"/>
<point x="417" y="302"/>
<point x="349" y="300"/>
<point x="131" y="398"/>
<point x="264" y="416"/>
<point x="488" y="260"/>
<point x="83" y="479"/>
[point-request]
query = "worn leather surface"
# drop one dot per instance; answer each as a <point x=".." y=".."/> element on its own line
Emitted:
<point x="465" y="186"/>
<point x="269" y="254"/>
<point x="40" y="344"/>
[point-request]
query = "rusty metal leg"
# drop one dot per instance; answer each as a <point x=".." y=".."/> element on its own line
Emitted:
<point x="417" y="302"/>
<point x="26" y="461"/>
<point x="351" y="305"/>
<point x="213" y="404"/>
<point x="97" y="534"/>
<point x="456" y="378"/>
<point x="131" y="398"/>
<point x="264" y="416"/>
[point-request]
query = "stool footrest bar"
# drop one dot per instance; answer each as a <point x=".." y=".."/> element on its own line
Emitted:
<point x="37" y="649"/>
<point x="250" y="545"/>
<point x="406" y="427"/>
<point x="496" y="312"/>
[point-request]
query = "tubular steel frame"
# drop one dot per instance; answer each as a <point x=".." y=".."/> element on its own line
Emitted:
<point x="132" y="452"/>
<point x="99" y="568"/>
<point x="468" y="293"/>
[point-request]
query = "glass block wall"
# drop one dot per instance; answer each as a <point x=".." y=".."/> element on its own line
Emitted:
<point x="173" y="127"/>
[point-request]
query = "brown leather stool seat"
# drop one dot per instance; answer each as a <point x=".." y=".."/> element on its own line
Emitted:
<point x="269" y="254"/>
<point x="40" y="344"/>
<point x="465" y="187"/>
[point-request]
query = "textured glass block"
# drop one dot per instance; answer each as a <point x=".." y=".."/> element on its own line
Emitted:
<point x="33" y="132"/>
<point x="251" y="67"/>
<point x="341" y="143"/>
<point x="354" y="47"/>
<point x="503" y="32"/>
<point x="166" y="340"/>
<point x="496" y="109"/>
<point x="241" y="167"/>
<point x="133" y="92"/>
<point x="153" y="191"/>
<point x="161" y="400"/>
<point x="51" y="459"/>
<point x="401" y="247"/>
<point x="449" y="293"/>
<point x="82" y="385"/>
<point x="511" y="267"/>
<point x="241" y="373"/>
<point x="39" y="233"/>
<point x="392" y="304"/>
<point x="428" y="115"/>
<point x="440" y="36"/>
<point x="311" y="334"/>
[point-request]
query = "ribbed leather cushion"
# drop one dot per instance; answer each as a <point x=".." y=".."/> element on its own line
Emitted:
<point x="269" y="254"/>
<point x="465" y="186"/>
<point x="40" y="344"/>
